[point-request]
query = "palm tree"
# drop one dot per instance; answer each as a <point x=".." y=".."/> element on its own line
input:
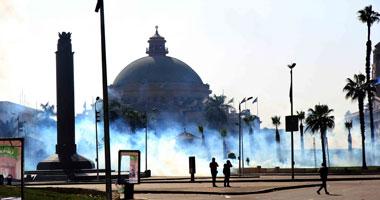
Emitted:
<point x="301" y="117"/>
<point x="48" y="110"/>
<point x="216" y="111"/>
<point x="276" y="122"/>
<point x="223" y="134"/>
<point x="249" y="121"/>
<point x="368" y="16"/>
<point x="348" y="125"/>
<point x="356" y="90"/>
<point x="200" y="130"/>
<point x="319" y="119"/>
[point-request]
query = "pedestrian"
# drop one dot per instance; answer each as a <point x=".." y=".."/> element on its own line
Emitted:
<point x="227" y="173"/>
<point x="323" y="171"/>
<point x="1" y="179"/>
<point x="9" y="179"/>
<point x="213" y="166"/>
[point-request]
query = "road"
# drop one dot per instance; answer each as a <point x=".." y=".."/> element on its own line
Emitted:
<point x="347" y="190"/>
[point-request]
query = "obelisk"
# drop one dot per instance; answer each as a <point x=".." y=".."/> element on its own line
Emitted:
<point x="66" y="156"/>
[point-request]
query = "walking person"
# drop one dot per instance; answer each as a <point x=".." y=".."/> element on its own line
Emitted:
<point x="227" y="173"/>
<point x="213" y="166"/>
<point x="323" y="171"/>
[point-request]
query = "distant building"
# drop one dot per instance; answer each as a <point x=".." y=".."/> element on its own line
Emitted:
<point x="14" y="117"/>
<point x="187" y="137"/>
<point x="162" y="82"/>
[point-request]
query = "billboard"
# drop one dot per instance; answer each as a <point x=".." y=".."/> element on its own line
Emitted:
<point x="11" y="158"/>
<point x="129" y="161"/>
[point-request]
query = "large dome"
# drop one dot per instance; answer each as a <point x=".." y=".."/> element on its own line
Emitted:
<point x="157" y="69"/>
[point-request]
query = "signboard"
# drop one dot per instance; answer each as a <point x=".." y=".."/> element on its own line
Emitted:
<point x="129" y="160"/>
<point x="12" y="160"/>
<point x="291" y="123"/>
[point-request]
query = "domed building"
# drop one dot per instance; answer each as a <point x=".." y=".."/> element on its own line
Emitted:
<point x="162" y="83"/>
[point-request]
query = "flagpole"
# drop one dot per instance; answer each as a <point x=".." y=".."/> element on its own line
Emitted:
<point x="257" y="106"/>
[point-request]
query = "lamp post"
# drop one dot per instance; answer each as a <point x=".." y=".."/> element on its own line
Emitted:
<point x="107" y="152"/>
<point x="241" y="153"/>
<point x="146" y="141"/>
<point x="291" y="66"/>
<point x="97" y="119"/>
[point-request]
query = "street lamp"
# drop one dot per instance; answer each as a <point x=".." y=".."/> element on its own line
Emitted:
<point x="291" y="66"/>
<point x="241" y="136"/>
<point x="107" y="152"/>
<point x="147" y="173"/>
<point x="97" y="119"/>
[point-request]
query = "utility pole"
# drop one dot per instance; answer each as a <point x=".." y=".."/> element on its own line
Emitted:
<point x="291" y="66"/>
<point x="97" y="119"/>
<point x="100" y="5"/>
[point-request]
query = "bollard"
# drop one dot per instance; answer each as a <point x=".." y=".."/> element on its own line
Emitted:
<point x="129" y="191"/>
<point x="192" y="167"/>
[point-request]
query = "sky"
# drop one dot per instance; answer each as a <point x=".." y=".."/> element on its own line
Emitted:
<point x="240" y="48"/>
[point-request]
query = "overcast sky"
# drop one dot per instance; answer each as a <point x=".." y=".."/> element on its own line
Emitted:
<point x="238" y="47"/>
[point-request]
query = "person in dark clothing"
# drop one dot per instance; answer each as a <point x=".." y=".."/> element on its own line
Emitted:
<point x="323" y="171"/>
<point x="227" y="173"/>
<point x="213" y="166"/>
<point x="9" y="179"/>
<point x="1" y="179"/>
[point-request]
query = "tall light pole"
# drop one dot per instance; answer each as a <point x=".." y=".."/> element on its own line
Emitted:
<point x="146" y="141"/>
<point x="291" y="66"/>
<point x="241" y="137"/>
<point x="97" y="119"/>
<point x="100" y="5"/>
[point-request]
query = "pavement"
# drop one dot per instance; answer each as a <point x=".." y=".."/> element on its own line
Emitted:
<point x="249" y="187"/>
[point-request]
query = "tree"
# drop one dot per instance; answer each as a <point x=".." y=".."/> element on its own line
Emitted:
<point x="231" y="155"/>
<point x="368" y="16"/>
<point x="320" y="120"/>
<point x="348" y="125"/>
<point x="301" y="117"/>
<point x="7" y="128"/>
<point x="356" y="90"/>
<point x="249" y="121"/>
<point x="126" y="113"/>
<point x="223" y="134"/>
<point x="216" y="111"/>
<point x="200" y="130"/>
<point x="276" y="122"/>
<point x="48" y="110"/>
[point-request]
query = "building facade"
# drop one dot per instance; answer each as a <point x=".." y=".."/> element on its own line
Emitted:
<point x="161" y="83"/>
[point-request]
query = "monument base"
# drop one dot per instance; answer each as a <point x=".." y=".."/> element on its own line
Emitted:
<point x="73" y="162"/>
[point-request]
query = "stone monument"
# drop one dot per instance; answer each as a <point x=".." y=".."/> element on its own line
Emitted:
<point x="65" y="157"/>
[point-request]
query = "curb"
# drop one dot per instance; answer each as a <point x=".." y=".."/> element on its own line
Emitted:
<point x="209" y="181"/>
<point x="227" y="193"/>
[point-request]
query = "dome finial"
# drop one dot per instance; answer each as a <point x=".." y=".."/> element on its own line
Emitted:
<point x="156" y="29"/>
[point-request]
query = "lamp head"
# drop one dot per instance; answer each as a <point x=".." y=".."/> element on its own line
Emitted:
<point x="291" y="66"/>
